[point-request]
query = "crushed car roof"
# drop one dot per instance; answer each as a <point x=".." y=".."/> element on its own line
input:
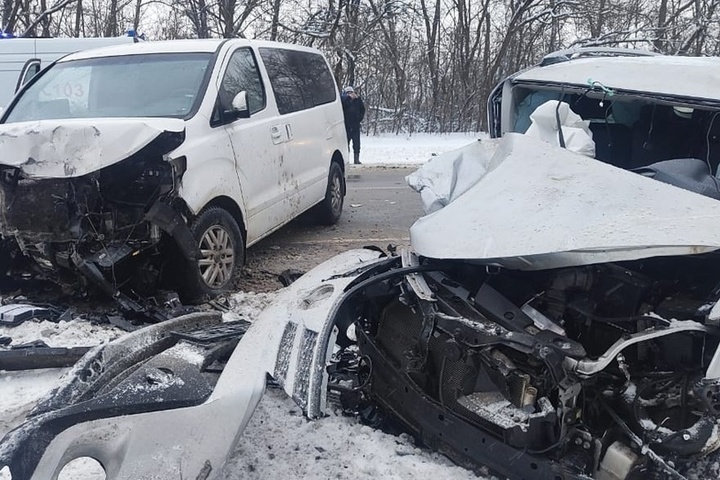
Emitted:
<point x="692" y="77"/>
<point x="538" y="206"/>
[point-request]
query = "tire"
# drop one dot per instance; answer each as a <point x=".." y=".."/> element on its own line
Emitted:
<point x="222" y="254"/>
<point x="329" y="210"/>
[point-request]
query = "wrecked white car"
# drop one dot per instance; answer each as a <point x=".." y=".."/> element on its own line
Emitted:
<point x="158" y="163"/>
<point x="627" y="108"/>
<point x="557" y="319"/>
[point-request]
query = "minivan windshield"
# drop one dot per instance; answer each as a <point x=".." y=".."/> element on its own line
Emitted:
<point x="147" y="85"/>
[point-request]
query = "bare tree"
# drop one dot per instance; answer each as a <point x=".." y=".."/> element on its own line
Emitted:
<point x="78" y="30"/>
<point x="197" y="13"/>
<point x="431" y="20"/>
<point x="111" y="25"/>
<point x="44" y="17"/>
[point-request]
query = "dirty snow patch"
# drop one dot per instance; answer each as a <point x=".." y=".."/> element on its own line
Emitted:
<point x="73" y="333"/>
<point x="279" y="442"/>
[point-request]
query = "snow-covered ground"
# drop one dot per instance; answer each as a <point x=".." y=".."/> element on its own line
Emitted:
<point x="389" y="149"/>
<point x="279" y="442"/>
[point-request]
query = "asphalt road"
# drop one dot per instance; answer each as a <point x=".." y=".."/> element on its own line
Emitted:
<point x="379" y="210"/>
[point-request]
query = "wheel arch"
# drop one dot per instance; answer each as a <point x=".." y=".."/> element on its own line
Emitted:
<point x="228" y="204"/>
<point x="337" y="157"/>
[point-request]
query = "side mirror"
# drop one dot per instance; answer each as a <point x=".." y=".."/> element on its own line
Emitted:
<point x="240" y="106"/>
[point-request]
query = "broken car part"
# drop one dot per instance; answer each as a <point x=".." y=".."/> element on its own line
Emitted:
<point x="15" y="313"/>
<point x="186" y="380"/>
<point x="487" y="380"/>
<point x="568" y="219"/>
<point x="139" y="382"/>
<point x="31" y="357"/>
<point x="95" y="223"/>
<point x="466" y="371"/>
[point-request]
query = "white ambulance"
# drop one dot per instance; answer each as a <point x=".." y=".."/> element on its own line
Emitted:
<point x="22" y="58"/>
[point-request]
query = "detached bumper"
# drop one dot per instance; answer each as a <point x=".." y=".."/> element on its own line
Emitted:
<point x="148" y="406"/>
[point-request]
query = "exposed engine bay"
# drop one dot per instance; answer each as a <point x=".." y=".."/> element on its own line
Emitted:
<point x="110" y="229"/>
<point x="603" y="371"/>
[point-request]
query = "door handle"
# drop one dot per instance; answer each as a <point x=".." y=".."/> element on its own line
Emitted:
<point x="277" y="134"/>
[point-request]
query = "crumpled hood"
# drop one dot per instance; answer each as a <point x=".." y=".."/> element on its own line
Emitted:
<point x="67" y="148"/>
<point x="537" y="206"/>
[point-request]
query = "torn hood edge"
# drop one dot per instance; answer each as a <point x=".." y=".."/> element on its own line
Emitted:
<point x="541" y="207"/>
<point x="66" y="148"/>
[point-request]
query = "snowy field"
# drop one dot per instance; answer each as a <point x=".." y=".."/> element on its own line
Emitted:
<point x="279" y="442"/>
<point x="403" y="149"/>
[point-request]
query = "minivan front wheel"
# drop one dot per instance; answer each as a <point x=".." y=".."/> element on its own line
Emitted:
<point x="221" y="254"/>
<point x="330" y="209"/>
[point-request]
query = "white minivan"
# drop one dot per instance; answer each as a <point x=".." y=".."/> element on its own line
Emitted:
<point x="159" y="162"/>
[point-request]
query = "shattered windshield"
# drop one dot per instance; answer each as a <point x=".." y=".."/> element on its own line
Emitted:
<point x="153" y="85"/>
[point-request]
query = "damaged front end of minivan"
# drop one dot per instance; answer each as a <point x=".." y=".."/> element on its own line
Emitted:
<point x="93" y="203"/>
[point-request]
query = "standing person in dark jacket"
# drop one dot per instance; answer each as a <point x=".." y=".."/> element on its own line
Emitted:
<point x="354" y="110"/>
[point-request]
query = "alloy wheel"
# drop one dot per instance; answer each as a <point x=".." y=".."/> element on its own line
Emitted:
<point x="217" y="256"/>
<point x="336" y="196"/>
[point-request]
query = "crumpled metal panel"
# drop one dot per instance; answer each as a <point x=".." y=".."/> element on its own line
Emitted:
<point x="671" y="75"/>
<point x="75" y="147"/>
<point x="544" y="207"/>
<point x="143" y="406"/>
<point x="310" y="305"/>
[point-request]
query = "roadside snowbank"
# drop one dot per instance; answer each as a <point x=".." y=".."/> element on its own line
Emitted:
<point x="389" y="149"/>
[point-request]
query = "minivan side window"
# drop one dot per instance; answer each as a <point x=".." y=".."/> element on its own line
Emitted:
<point x="241" y="74"/>
<point x="299" y="80"/>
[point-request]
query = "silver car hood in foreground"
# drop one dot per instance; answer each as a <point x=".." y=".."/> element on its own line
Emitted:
<point x="535" y="206"/>
<point x="68" y="148"/>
